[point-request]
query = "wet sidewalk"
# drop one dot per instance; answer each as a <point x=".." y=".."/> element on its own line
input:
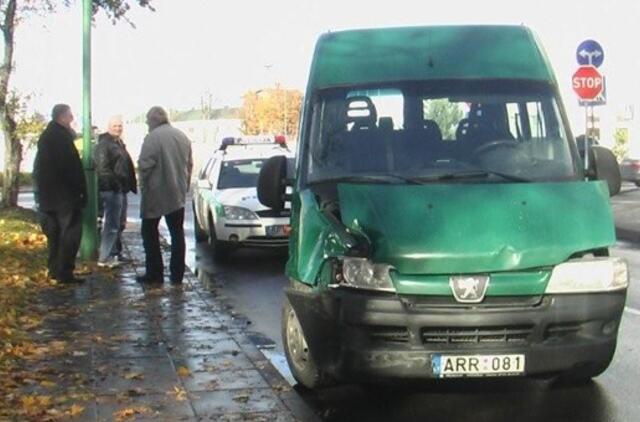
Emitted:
<point x="170" y="353"/>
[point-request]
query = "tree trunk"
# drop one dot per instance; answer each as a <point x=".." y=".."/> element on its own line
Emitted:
<point x="13" y="148"/>
<point x="12" y="160"/>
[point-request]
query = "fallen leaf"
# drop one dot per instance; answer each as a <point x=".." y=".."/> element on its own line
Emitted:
<point x="48" y="384"/>
<point x="133" y="376"/>
<point x="75" y="410"/>
<point x="183" y="371"/>
<point x="179" y="393"/>
<point x="124" y="414"/>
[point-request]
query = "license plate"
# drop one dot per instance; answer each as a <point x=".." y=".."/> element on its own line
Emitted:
<point x="275" y="231"/>
<point x="477" y="365"/>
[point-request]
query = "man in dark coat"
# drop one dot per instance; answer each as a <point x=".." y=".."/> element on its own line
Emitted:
<point x="61" y="192"/>
<point x="116" y="178"/>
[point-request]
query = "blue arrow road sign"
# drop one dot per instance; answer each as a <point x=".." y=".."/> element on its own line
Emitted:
<point x="590" y="53"/>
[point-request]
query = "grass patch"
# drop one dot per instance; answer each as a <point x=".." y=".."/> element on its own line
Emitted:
<point x="23" y="275"/>
<point x="28" y="380"/>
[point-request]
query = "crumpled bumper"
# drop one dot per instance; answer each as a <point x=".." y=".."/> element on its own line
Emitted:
<point x="367" y="335"/>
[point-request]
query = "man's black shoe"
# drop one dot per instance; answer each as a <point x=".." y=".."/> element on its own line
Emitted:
<point x="176" y="281"/>
<point x="72" y="280"/>
<point x="145" y="279"/>
<point x="124" y="260"/>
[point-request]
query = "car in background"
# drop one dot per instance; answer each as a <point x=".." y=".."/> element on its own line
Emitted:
<point x="226" y="209"/>
<point x="630" y="170"/>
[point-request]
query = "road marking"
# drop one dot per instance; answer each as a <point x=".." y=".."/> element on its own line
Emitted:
<point x="632" y="311"/>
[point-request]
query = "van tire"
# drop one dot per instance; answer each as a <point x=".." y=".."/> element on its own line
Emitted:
<point x="637" y="183"/>
<point x="303" y="367"/>
<point x="198" y="232"/>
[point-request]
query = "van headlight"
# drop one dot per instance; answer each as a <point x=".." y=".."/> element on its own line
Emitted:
<point x="589" y="275"/>
<point x="238" y="213"/>
<point x="360" y="273"/>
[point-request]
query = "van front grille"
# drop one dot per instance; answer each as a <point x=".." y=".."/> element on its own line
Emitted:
<point x="458" y="335"/>
<point x="388" y="334"/>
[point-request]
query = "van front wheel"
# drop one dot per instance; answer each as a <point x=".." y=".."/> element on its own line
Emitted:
<point x="303" y="367"/>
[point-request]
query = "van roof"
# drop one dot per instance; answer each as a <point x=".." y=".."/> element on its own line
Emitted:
<point x="428" y="53"/>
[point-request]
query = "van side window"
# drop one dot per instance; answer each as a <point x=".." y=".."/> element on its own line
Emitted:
<point x="536" y="119"/>
<point x="515" y="126"/>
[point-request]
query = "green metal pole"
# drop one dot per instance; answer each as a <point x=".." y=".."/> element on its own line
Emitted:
<point x="89" y="245"/>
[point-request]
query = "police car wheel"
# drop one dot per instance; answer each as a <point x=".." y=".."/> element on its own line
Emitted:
<point x="199" y="234"/>
<point x="219" y="249"/>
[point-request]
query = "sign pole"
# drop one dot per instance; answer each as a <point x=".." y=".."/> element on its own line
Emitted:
<point x="588" y="83"/>
<point x="89" y="244"/>
<point x="586" y="141"/>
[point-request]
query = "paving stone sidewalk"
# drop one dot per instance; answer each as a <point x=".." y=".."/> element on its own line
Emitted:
<point x="167" y="353"/>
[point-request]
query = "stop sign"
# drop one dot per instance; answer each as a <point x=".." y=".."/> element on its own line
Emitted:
<point x="587" y="82"/>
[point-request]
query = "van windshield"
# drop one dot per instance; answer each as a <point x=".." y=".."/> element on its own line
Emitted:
<point x="504" y="131"/>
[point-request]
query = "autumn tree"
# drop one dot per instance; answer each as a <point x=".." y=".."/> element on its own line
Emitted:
<point x="445" y="114"/>
<point x="271" y="111"/>
<point x="621" y="143"/>
<point x="12" y="12"/>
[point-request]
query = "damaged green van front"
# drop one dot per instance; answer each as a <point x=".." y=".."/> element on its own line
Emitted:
<point x="443" y="224"/>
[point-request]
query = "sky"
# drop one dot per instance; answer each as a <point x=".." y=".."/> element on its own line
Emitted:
<point x="190" y="48"/>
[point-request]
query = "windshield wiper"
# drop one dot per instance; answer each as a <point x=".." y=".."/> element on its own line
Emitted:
<point x="418" y="180"/>
<point x="368" y="178"/>
<point x="469" y="174"/>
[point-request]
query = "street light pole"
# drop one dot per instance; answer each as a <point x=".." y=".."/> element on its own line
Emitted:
<point x="89" y="244"/>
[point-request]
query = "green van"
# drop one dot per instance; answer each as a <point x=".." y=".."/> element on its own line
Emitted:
<point x="443" y="221"/>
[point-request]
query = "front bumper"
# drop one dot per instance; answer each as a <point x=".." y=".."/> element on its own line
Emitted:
<point x="251" y="233"/>
<point x="364" y="335"/>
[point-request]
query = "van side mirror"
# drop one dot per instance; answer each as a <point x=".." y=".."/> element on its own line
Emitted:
<point x="604" y="166"/>
<point x="272" y="183"/>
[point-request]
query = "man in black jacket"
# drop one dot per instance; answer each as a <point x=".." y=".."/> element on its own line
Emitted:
<point x="116" y="178"/>
<point x="61" y="192"/>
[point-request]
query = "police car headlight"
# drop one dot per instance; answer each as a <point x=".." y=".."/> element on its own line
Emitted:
<point x="361" y="273"/>
<point x="239" y="213"/>
<point x="589" y="275"/>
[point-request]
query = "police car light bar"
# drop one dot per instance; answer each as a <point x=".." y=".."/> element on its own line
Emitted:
<point x="254" y="140"/>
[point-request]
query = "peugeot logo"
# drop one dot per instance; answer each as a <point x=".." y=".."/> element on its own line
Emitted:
<point x="469" y="289"/>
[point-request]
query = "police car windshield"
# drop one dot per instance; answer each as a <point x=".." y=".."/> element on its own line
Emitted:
<point x="240" y="173"/>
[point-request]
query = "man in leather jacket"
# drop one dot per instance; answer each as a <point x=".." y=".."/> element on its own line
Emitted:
<point x="116" y="178"/>
<point x="61" y="193"/>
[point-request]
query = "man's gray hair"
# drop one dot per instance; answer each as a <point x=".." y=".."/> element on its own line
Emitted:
<point x="157" y="116"/>
<point x="58" y="110"/>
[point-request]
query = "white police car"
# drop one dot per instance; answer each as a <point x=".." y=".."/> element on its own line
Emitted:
<point x="226" y="209"/>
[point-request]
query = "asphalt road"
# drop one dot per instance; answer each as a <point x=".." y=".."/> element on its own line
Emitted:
<point x="251" y="284"/>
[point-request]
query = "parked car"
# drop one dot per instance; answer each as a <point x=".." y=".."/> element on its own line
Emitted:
<point x="630" y="170"/>
<point x="226" y="209"/>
